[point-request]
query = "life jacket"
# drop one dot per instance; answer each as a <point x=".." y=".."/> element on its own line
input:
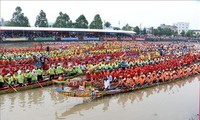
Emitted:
<point x="174" y="75"/>
<point x="128" y="80"/>
<point x="142" y="79"/>
<point x="149" y="79"/>
<point x="163" y="76"/>
<point x="133" y="82"/>
<point x="171" y="75"/>
<point x="136" y="79"/>
<point x="153" y="77"/>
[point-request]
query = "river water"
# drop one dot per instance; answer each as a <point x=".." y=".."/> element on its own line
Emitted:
<point x="174" y="101"/>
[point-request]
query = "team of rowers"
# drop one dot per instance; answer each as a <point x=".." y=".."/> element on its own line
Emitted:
<point x="147" y="73"/>
<point x="104" y="59"/>
<point x="87" y="52"/>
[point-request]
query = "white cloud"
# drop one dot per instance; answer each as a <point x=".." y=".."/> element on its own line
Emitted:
<point x="147" y="13"/>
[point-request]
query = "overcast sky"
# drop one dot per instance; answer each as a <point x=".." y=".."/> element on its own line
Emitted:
<point x="144" y="13"/>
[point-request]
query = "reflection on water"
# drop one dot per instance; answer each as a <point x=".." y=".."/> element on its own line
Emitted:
<point x="174" y="101"/>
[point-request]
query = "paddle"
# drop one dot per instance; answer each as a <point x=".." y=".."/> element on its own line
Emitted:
<point x="91" y="69"/>
<point x="39" y="84"/>
<point x="11" y="86"/>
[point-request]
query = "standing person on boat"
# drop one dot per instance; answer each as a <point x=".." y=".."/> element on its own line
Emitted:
<point x="28" y="76"/>
<point x="1" y="81"/>
<point x="51" y="72"/>
<point x="20" y="78"/>
<point x="59" y="70"/>
<point x="34" y="76"/>
<point x="10" y="79"/>
<point x="39" y="74"/>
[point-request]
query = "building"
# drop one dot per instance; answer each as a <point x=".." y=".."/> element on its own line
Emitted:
<point x="163" y="26"/>
<point x="149" y="30"/>
<point x="182" y="26"/>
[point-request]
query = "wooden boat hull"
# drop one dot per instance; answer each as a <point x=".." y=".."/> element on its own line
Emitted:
<point x="28" y="87"/>
<point x="74" y="84"/>
<point x="44" y="83"/>
<point x="109" y="92"/>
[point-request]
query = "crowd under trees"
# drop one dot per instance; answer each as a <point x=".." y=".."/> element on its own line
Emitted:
<point x="63" y="21"/>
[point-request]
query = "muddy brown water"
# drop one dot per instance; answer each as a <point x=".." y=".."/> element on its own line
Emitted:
<point x="173" y="101"/>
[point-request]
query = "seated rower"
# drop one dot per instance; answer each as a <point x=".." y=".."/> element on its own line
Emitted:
<point x="127" y="82"/>
<point x="109" y="78"/>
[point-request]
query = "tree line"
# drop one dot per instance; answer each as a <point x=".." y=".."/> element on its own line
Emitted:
<point x="159" y="31"/>
<point x="63" y="21"/>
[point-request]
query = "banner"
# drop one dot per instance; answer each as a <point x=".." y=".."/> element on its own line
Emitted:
<point x="69" y="38"/>
<point x="139" y="39"/>
<point x="92" y="38"/>
<point x="43" y="39"/>
<point x="15" y="39"/>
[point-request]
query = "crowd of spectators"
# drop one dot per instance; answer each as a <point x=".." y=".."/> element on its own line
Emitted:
<point x="50" y="34"/>
<point x="45" y="34"/>
<point x="153" y="37"/>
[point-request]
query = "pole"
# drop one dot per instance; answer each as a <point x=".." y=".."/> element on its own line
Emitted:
<point x="11" y="87"/>
<point x="40" y="84"/>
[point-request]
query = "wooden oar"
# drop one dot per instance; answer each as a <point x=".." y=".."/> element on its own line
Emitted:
<point x="91" y="69"/>
<point x="11" y="86"/>
<point x="39" y="84"/>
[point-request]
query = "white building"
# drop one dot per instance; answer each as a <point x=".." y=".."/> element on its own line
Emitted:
<point x="182" y="26"/>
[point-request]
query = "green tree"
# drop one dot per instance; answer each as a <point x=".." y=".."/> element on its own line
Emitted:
<point x="160" y="31"/>
<point x="96" y="23"/>
<point x="62" y="21"/>
<point x="70" y="24"/>
<point x="144" y="31"/>
<point x="155" y="31"/>
<point x="189" y="33"/>
<point x="198" y="34"/>
<point x="81" y="22"/>
<point x="182" y="33"/>
<point x="41" y="20"/>
<point x="18" y="19"/>
<point x="137" y="30"/>
<point x="166" y="31"/>
<point x="127" y="27"/>
<point x="175" y="33"/>
<point x="107" y="24"/>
